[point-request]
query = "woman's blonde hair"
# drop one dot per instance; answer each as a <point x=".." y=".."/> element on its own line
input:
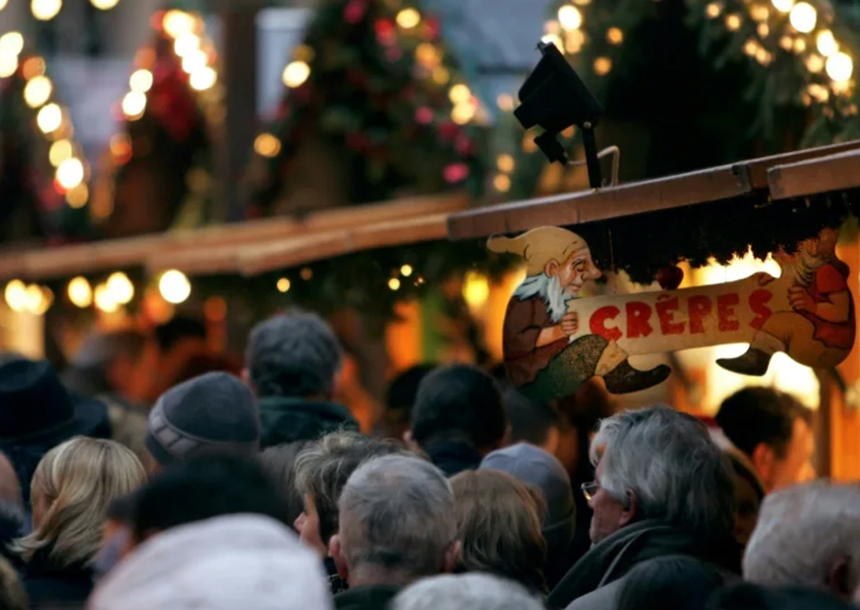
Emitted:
<point x="499" y="526"/>
<point x="78" y="480"/>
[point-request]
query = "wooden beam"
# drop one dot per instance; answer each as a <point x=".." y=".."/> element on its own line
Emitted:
<point x="603" y="204"/>
<point x="837" y="172"/>
<point x="757" y="169"/>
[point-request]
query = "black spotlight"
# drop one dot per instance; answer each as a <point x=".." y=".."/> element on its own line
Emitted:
<point x="555" y="98"/>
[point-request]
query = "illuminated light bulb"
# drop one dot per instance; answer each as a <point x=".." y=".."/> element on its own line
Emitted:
<point x="3" y="4"/>
<point x="394" y="284"/>
<point x="104" y="5"/>
<point x="751" y="47"/>
<point x="614" y="36"/>
<point x="569" y="17"/>
<point x="16" y="295"/>
<point x="176" y="23"/>
<point x="203" y="79"/>
<point x="714" y="10"/>
<point x="840" y="67"/>
<point x="186" y="43"/>
<point x="78" y="197"/>
<point x="783" y="6"/>
<point x="406" y="270"/>
<point x="38" y="91"/>
<point x="195" y="60"/>
<point x="733" y="22"/>
<point x="133" y="105"/>
<point x="296" y="73"/>
<point x="267" y="145"/>
<point x="502" y="183"/>
<point x="104" y="300"/>
<point x="818" y="92"/>
<point x="786" y="42"/>
<point x="463" y="113"/>
<point x="505" y="163"/>
<point x="60" y="151"/>
<point x="140" y="81"/>
<point x="826" y="43"/>
<point x="553" y="39"/>
<point x="602" y="66"/>
<point x="505" y="102"/>
<point x="307" y="274"/>
<point x="8" y="64"/>
<point x="763" y="56"/>
<point x="459" y="94"/>
<point x="174" y="287"/>
<point x="80" y="292"/>
<point x="50" y="118"/>
<point x="476" y="288"/>
<point x="120" y="287"/>
<point x="120" y="145"/>
<point x="408" y="18"/>
<point x="284" y="285"/>
<point x="803" y="17"/>
<point x="11" y="43"/>
<point x="70" y="173"/>
<point x="573" y="41"/>
<point x="760" y="12"/>
<point x="763" y="30"/>
<point x="426" y="54"/>
<point x="441" y="76"/>
<point x="33" y="67"/>
<point x="45" y="10"/>
<point x="815" y="63"/>
<point x="34" y="300"/>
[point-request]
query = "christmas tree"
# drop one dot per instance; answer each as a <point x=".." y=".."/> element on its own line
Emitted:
<point x="375" y="89"/>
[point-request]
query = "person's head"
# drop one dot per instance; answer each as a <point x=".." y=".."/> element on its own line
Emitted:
<point x="397" y="523"/>
<point x="748" y="596"/>
<point x="294" y="355"/>
<point x="279" y="461"/>
<point x="466" y="592"/>
<point x="213" y="413"/>
<point x="110" y="361"/>
<point x="674" y="582"/>
<point x="459" y="403"/>
<point x="116" y="542"/>
<point x="177" y="331"/>
<point x="322" y="471"/>
<point x="657" y="463"/>
<point x="533" y="422"/>
<point x="12" y="593"/>
<point x="499" y="527"/>
<point x="205" y="487"/>
<point x="400" y="399"/>
<point x="773" y="429"/>
<point x="72" y="488"/>
<point x="807" y="535"/>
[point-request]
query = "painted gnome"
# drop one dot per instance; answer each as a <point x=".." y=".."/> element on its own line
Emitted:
<point x="541" y="356"/>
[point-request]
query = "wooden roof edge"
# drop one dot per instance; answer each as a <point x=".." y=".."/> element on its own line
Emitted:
<point x="836" y="172"/>
<point x="758" y="168"/>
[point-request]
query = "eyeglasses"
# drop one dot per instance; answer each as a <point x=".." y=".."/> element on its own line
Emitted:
<point x="589" y="489"/>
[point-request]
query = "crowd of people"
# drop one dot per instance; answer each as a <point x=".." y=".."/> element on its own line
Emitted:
<point x="258" y="491"/>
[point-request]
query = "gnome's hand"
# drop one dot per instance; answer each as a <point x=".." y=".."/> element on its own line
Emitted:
<point x="570" y="324"/>
<point x="800" y="299"/>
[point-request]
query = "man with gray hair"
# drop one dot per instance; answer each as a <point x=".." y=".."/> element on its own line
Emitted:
<point x="397" y="525"/>
<point x="291" y="364"/>
<point x="466" y="592"/>
<point x="808" y="535"/>
<point x="661" y="487"/>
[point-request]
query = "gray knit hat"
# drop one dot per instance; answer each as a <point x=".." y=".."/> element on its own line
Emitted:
<point x="213" y="413"/>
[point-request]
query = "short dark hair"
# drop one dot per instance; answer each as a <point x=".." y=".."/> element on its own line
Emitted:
<point x="753" y="416"/>
<point x="401" y="393"/>
<point x="747" y="596"/>
<point x="279" y="462"/>
<point x="676" y="582"/>
<point x="203" y="488"/>
<point x="459" y="402"/>
<point x="179" y="327"/>
<point x="531" y="420"/>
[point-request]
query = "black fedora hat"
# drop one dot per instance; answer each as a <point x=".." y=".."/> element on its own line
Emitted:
<point x="35" y="407"/>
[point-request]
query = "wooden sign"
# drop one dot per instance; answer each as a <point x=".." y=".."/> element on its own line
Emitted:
<point x="554" y="340"/>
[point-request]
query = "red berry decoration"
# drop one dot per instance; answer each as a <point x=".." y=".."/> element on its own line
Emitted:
<point x="670" y="278"/>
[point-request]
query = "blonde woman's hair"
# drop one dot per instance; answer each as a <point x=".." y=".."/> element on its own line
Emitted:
<point x="78" y="480"/>
<point x="12" y="594"/>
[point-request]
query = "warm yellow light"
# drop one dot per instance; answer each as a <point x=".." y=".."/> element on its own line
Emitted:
<point x="38" y="91"/>
<point x="16" y="295"/>
<point x="759" y="12"/>
<point x="174" y="287"/>
<point x="133" y="105"/>
<point x="840" y="67"/>
<point x="104" y="5"/>
<point x="304" y="53"/>
<point x="120" y="287"/>
<point x="11" y="43"/>
<point x="60" y="151"/>
<point x="505" y="102"/>
<point x="284" y="285"/>
<point x="296" y="73"/>
<point x="763" y="56"/>
<point x="78" y="196"/>
<point x="104" y="299"/>
<point x="818" y="92"/>
<point x="569" y="17"/>
<point x="394" y="284"/>
<point x="783" y="6"/>
<point x="186" y="43"/>
<point x="602" y="66"/>
<point x="751" y="47"/>
<point x="502" y="183"/>
<point x="3" y="4"/>
<point x="614" y="36"/>
<point x="80" y="293"/>
<point x="140" y="81"/>
<point x="786" y="42"/>
<point x="427" y="54"/>
<point x="406" y="270"/>
<point x="476" y="289"/>
<point x="203" y="79"/>
<point x="34" y="300"/>
<point x="120" y="145"/>
<point x="33" y="67"/>
<point x="194" y="61"/>
<point x="799" y="46"/>
<point x="463" y="113"/>
<point x="733" y="22"/>
<point x="176" y="23"/>
<point x="8" y="64"/>
<point x="763" y="30"/>
<point x="45" y="10"/>
<point x="553" y="39"/>
<point x="826" y="43"/>
<point x="70" y="173"/>
<point x="408" y="18"/>
<point x="441" y="76"/>
<point x="459" y="94"/>
<point x="803" y="17"/>
<point x="267" y="145"/>
<point x="505" y="163"/>
<point x="815" y="63"/>
<point x="50" y="118"/>
<point x="713" y="10"/>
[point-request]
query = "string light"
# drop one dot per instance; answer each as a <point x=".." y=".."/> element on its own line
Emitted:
<point x="176" y="23"/>
<point x="120" y="287"/>
<point x="505" y="102"/>
<point x="394" y="284"/>
<point x="38" y="91"/>
<point x="8" y="64"/>
<point x="569" y="17"/>
<point x="502" y="183"/>
<point x="16" y="295"/>
<point x="408" y="18"/>
<point x="133" y="105"/>
<point x="602" y="66"/>
<point x="70" y="173"/>
<point x="186" y="43"/>
<point x="104" y="5"/>
<point x="505" y="163"/>
<point x="733" y="22"/>
<point x="78" y="196"/>
<point x="104" y="300"/>
<point x="80" y="293"/>
<point x="799" y="45"/>
<point x="296" y="73"/>
<point x="714" y="10"/>
<point x="840" y="67"/>
<point x="441" y="76"/>
<point x="614" y="36"/>
<point x="59" y="152"/>
<point x="140" y="81"/>
<point x="803" y="17"/>
<point x="459" y="94"/>
<point x="763" y="30"/>
<point x="267" y="145"/>
<point x="783" y="6"/>
<point x="476" y="289"/>
<point x="50" y="118"/>
<point x="45" y="10"/>
<point x="194" y="61"/>
<point x="3" y="4"/>
<point x="203" y="79"/>
<point x="406" y="270"/>
<point x="826" y="43"/>
<point x="552" y="39"/>
<point x="818" y="92"/>
<point x="39" y="299"/>
<point x="463" y="113"/>
<point x="284" y="285"/>
<point x="174" y="287"/>
<point x="11" y="43"/>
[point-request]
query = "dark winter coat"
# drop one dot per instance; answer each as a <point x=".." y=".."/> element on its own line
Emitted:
<point x="52" y="587"/>
<point x="372" y="597"/>
<point x="287" y="420"/>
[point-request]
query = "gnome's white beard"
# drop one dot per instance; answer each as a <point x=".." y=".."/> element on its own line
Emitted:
<point x="804" y="267"/>
<point x="549" y="289"/>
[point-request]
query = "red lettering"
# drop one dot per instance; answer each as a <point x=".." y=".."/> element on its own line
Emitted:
<point x="637" y="320"/>
<point x="598" y="323"/>
<point x="700" y="307"/>
<point x="665" y="310"/>
<point x="726" y="304"/>
<point x="758" y="303"/>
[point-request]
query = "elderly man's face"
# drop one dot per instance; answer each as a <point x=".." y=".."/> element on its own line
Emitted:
<point x="575" y="271"/>
<point x="308" y="526"/>
<point x="610" y="515"/>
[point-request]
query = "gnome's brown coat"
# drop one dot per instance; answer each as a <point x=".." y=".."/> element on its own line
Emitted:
<point x="523" y="322"/>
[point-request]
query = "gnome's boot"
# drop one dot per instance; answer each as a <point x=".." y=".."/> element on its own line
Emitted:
<point x="754" y="362"/>
<point x="624" y="379"/>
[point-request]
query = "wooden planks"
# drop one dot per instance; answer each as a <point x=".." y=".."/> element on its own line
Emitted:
<point x="838" y="172"/>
